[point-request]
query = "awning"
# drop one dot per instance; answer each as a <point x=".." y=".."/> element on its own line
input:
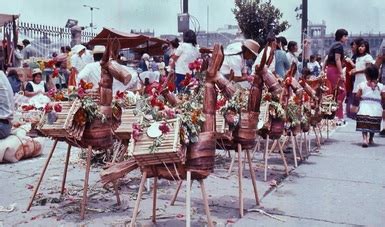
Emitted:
<point x="128" y="40"/>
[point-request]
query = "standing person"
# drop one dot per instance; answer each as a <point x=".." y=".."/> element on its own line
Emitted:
<point x="282" y="64"/>
<point x="186" y="53"/>
<point x="6" y="106"/>
<point x="371" y="105"/>
<point x="349" y="78"/>
<point x="292" y="49"/>
<point x="271" y="46"/>
<point x="236" y="56"/>
<point x="334" y="71"/>
<point x="78" y="62"/>
<point x="29" y="50"/>
<point x="363" y="60"/>
<point x="18" y="54"/>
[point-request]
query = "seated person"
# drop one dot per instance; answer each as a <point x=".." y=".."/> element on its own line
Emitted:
<point x="14" y="80"/>
<point x="6" y="106"/>
<point x="37" y="85"/>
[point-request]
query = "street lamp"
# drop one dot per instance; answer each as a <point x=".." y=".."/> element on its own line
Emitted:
<point x="92" y="18"/>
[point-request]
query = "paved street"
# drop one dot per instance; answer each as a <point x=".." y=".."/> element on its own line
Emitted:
<point x="344" y="184"/>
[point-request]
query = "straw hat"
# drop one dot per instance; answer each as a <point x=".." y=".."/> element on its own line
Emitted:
<point x="251" y="45"/>
<point x="36" y="71"/>
<point x="98" y="49"/>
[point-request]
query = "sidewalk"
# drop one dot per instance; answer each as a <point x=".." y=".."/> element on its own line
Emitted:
<point x="344" y="184"/>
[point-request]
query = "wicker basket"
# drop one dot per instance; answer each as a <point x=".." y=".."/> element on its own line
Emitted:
<point x="246" y="131"/>
<point x="201" y="156"/>
<point x="56" y="129"/>
<point x="125" y="129"/>
<point x="97" y="134"/>
<point x="171" y="150"/>
<point x="277" y="128"/>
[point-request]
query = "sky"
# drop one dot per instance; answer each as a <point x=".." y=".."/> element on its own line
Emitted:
<point x="161" y="15"/>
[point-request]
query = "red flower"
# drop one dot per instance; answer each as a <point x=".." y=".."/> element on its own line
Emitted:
<point x="170" y="113"/>
<point x="220" y="103"/>
<point x="51" y="92"/>
<point x="267" y="97"/>
<point x="57" y="107"/>
<point x="164" y="128"/>
<point x="119" y="95"/>
<point x="191" y="66"/>
<point x="27" y="107"/>
<point x="55" y="73"/>
<point x="137" y="131"/>
<point x="288" y="81"/>
<point x="186" y="80"/>
<point x="171" y="86"/>
<point x="81" y="92"/>
<point x="305" y="97"/>
<point x="48" y="108"/>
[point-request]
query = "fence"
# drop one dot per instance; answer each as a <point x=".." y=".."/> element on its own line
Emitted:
<point x="49" y="39"/>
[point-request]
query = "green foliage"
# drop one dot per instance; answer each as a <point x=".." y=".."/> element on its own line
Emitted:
<point x="255" y="19"/>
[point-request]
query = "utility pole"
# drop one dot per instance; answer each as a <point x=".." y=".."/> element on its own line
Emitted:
<point x="304" y="20"/>
<point x="92" y="16"/>
<point x="185" y="6"/>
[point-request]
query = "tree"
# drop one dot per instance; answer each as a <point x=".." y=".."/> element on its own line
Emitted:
<point x="256" y="20"/>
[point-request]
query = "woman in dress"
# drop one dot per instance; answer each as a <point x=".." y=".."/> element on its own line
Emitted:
<point x="37" y="85"/>
<point x="370" y="105"/>
<point x="334" y="71"/>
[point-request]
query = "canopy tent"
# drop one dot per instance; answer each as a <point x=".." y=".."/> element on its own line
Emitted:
<point x="139" y="43"/>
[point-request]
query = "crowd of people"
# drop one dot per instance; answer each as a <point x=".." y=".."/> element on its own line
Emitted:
<point x="355" y="80"/>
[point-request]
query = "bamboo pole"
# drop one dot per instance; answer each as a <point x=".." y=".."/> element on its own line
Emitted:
<point x="42" y="174"/>
<point x="176" y="193"/>
<point x="85" y="187"/>
<point x="138" y="198"/>
<point x="253" y="180"/>
<point x="155" y="188"/>
<point x="65" y="169"/>
<point x="283" y="158"/>
<point x="206" y="204"/>
<point x="188" y="199"/>
<point x="240" y="175"/>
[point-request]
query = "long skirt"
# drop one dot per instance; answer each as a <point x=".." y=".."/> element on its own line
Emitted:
<point x="366" y="123"/>
<point x="333" y="76"/>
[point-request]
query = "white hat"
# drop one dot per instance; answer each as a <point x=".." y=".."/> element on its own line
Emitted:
<point x="77" y="48"/>
<point x="98" y="49"/>
<point x="20" y="43"/>
<point x="36" y="71"/>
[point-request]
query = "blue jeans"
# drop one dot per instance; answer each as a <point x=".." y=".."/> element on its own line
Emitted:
<point x="179" y="78"/>
<point x="5" y="130"/>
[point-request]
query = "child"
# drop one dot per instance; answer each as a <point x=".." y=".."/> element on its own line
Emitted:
<point x="370" y="104"/>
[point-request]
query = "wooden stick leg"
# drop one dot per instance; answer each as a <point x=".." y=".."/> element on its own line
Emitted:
<point x="299" y="150"/>
<point x="231" y="165"/>
<point x="65" y="169"/>
<point x="327" y="129"/>
<point x="253" y="178"/>
<point x="155" y="188"/>
<point x="306" y="145"/>
<point x="42" y="175"/>
<point x="176" y="193"/>
<point x="138" y="198"/>
<point x="240" y="175"/>
<point x="85" y="187"/>
<point x="265" y="157"/>
<point x="283" y="158"/>
<point x="115" y="183"/>
<point x="300" y="143"/>
<point x="188" y="199"/>
<point x="206" y="204"/>
<point x="320" y="134"/>
<point x="294" y="151"/>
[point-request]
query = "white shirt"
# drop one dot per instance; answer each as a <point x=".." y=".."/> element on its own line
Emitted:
<point x="292" y="58"/>
<point x="91" y="74"/>
<point x="234" y="61"/>
<point x="271" y="67"/>
<point x="312" y="65"/>
<point x="187" y="53"/>
<point x="6" y="98"/>
<point x="370" y="103"/>
<point x="152" y="76"/>
<point x="360" y="65"/>
<point x="78" y="62"/>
